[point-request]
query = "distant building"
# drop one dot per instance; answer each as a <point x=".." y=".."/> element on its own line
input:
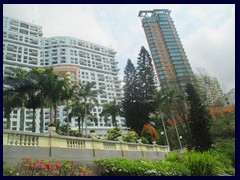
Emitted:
<point x="229" y="98"/>
<point x="209" y="88"/>
<point x="170" y="61"/>
<point x="24" y="46"/>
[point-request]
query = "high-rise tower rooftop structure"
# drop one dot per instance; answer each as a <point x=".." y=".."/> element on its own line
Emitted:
<point x="170" y="61"/>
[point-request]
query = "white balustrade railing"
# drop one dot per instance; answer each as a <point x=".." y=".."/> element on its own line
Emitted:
<point x="17" y="138"/>
<point x="107" y="145"/>
<point x="74" y="143"/>
<point x="132" y="147"/>
<point x="22" y="140"/>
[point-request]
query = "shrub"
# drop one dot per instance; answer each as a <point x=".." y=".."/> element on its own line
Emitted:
<point x="150" y="133"/>
<point x="144" y="140"/>
<point x="9" y="170"/>
<point x="174" y="157"/>
<point x="208" y="163"/>
<point x="114" y="134"/>
<point x="131" y="136"/>
<point x="228" y="148"/>
<point x="29" y="167"/>
<point x="124" y="167"/>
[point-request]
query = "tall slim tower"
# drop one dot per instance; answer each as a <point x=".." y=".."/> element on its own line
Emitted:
<point x="170" y="61"/>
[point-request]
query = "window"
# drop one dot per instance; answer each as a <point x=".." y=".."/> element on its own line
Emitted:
<point x="23" y="31"/>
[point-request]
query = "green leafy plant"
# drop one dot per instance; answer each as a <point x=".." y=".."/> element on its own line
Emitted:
<point x="131" y="136"/>
<point x="125" y="167"/>
<point x="228" y="148"/>
<point x="207" y="163"/>
<point x="114" y="134"/>
<point x="144" y="140"/>
<point x="150" y="133"/>
<point x="174" y="157"/>
<point x="9" y="170"/>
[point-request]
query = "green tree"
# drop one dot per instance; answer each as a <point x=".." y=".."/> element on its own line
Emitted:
<point x="112" y="109"/>
<point x="130" y="95"/>
<point x="145" y="73"/>
<point x="223" y="127"/>
<point x="81" y="110"/>
<point x="17" y="80"/>
<point x="174" y="106"/>
<point x="33" y="95"/>
<point x="199" y="120"/>
<point x="68" y="96"/>
<point x="10" y="100"/>
<point x="85" y="93"/>
<point x="223" y="134"/>
<point x="138" y="90"/>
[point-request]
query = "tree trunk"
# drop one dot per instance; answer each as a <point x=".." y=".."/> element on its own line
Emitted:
<point x="9" y="121"/>
<point x="55" y="115"/>
<point x="22" y="117"/>
<point x="79" y="126"/>
<point x="51" y="114"/>
<point x="41" y="120"/>
<point x="34" y="121"/>
<point x="114" y="121"/>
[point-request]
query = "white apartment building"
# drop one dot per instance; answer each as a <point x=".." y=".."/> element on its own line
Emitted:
<point x="24" y="46"/>
<point x="228" y="99"/>
<point x="209" y="87"/>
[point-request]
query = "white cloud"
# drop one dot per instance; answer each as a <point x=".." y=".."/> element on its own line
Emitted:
<point x="213" y="49"/>
<point x="207" y="31"/>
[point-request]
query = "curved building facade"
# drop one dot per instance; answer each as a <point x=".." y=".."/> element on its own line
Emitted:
<point x="24" y="46"/>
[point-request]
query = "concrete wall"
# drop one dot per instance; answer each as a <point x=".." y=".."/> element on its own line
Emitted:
<point x="18" y="145"/>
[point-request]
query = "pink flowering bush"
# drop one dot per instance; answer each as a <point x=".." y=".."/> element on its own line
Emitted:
<point x="30" y="167"/>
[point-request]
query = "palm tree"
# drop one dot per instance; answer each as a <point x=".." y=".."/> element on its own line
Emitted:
<point x="17" y="80"/>
<point x="81" y="110"/>
<point x="68" y="95"/>
<point x="54" y="87"/>
<point x="171" y="104"/>
<point x="10" y="100"/>
<point x="111" y="109"/>
<point x="34" y="94"/>
<point x="48" y="92"/>
<point x="42" y="75"/>
<point x="84" y="92"/>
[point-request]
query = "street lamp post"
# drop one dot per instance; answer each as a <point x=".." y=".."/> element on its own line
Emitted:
<point x="180" y="137"/>
<point x="175" y="125"/>
<point x="164" y="128"/>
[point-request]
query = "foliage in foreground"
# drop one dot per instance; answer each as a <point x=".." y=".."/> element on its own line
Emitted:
<point x="125" y="167"/>
<point x="227" y="147"/>
<point x="208" y="163"/>
<point x="30" y="167"/>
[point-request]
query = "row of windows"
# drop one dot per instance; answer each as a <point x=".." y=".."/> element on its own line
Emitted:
<point x="77" y="43"/>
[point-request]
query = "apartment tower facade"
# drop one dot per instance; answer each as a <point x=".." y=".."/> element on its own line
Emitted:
<point x="24" y="46"/>
<point x="170" y="61"/>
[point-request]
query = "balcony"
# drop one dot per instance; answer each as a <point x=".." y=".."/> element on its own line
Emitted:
<point x="113" y="62"/>
<point x="10" y="56"/>
<point x="11" y="48"/>
<point x="33" y="53"/>
<point x="34" y="41"/>
<point x="83" y="62"/>
<point x="101" y="78"/>
<point x="100" y="66"/>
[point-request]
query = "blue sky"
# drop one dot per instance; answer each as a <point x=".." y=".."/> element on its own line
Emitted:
<point x="207" y="31"/>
